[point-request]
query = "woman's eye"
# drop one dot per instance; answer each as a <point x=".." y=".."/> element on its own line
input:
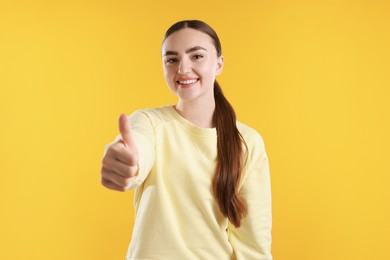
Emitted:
<point x="197" y="56"/>
<point x="169" y="61"/>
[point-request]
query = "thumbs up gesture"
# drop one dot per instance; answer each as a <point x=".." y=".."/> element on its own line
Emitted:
<point x="120" y="162"/>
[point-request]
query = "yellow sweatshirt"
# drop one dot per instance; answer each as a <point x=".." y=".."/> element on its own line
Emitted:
<point x="177" y="216"/>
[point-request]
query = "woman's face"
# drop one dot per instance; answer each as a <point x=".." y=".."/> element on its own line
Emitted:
<point x="191" y="64"/>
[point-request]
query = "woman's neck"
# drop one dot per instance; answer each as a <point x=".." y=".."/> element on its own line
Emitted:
<point x="198" y="112"/>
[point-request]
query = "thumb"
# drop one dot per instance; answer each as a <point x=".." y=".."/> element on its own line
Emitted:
<point x="125" y="130"/>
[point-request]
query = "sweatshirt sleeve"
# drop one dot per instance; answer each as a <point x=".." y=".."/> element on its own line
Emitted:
<point x="252" y="240"/>
<point x="143" y="133"/>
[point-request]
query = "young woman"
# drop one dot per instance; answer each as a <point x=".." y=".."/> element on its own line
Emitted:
<point x="201" y="179"/>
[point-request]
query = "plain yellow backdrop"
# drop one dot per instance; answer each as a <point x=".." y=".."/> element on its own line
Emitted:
<point x="311" y="76"/>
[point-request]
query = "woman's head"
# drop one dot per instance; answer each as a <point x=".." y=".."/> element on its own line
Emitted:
<point x="192" y="59"/>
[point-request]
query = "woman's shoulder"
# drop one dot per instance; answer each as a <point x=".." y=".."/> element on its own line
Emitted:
<point x="158" y="112"/>
<point x="250" y="135"/>
<point x="254" y="145"/>
<point x="155" y="115"/>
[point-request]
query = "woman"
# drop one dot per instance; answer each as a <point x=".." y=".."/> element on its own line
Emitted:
<point x="201" y="179"/>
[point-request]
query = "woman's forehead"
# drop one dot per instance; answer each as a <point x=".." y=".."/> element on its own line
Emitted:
<point x="187" y="38"/>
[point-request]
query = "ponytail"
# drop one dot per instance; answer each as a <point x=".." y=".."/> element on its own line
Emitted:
<point x="229" y="163"/>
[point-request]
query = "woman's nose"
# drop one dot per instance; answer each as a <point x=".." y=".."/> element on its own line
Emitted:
<point x="184" y="67"/>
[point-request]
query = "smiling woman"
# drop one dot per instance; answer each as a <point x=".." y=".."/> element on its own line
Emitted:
<point x="201" y="178"/>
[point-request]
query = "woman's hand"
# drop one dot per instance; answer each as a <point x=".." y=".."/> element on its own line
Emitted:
<point x="120" y="162"/>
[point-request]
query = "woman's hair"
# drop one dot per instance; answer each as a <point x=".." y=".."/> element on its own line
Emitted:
<point x="229" y="141"/>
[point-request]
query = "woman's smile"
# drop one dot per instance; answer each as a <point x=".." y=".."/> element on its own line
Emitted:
<point x="186" y="82"/>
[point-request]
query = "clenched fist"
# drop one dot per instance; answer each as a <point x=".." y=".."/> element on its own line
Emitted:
<point x="120" y="162"/>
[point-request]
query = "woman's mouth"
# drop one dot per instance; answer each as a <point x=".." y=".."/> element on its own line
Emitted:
<point x="187" y="83"/>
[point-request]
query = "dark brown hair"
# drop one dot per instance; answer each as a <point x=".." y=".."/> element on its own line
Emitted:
<point x="229" y="141"/>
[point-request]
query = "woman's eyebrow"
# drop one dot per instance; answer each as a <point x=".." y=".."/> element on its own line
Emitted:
<point x="196" y="48"/>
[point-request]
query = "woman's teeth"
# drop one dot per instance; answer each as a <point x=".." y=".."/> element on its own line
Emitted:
<point x="186" y="82"/>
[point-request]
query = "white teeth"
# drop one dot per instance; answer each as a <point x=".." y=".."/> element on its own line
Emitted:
<point x="188" y="81"/>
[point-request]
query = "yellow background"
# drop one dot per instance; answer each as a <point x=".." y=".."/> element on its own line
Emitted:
<point x="311" y="76"/>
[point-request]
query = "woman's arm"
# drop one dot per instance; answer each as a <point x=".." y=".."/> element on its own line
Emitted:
<point x="252" y="240"/>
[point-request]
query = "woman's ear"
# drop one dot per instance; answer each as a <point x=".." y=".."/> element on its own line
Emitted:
<point x="219" y="65"/>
